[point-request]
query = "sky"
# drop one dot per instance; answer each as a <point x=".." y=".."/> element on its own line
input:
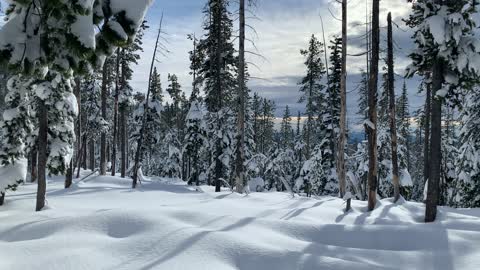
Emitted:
<point x="282" y="29"/>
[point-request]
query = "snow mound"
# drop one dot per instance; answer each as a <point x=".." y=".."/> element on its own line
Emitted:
<point x="100" y="223"/>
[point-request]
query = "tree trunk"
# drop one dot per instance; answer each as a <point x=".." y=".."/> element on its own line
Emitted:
<point x="92" y="155"/>
<point x="79" y="132"/>
<point x="42" y="154"/>
<point x="84" y="155"/>
<point x="103" y="137"/>
<point x="123" y="143"/>
<point x="240" y="157"/>
<point x="393" y="125"/>
<point x="2" y="198"/>
<point x="343" y="107"/>
<point x="426" y="145"/>
<point x="115" y="115"/>
<point x="69" y="176"/>
<point x="372" y="110"/>
<point x="33" y="168"/>
<point x="436" y="143"/>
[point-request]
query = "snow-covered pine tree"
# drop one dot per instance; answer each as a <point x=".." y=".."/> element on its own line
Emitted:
<point x="403" y="127"/>
<point x="94" y="124"/>
<point x="447" y="47"/>
<point x="312" y="88"/>
<point x="286" y="131"/>
<point x="195" y="139"/>
<point x="218" y="70"/>
<point x="468" y="160"/>
<point x="333" y="91"/>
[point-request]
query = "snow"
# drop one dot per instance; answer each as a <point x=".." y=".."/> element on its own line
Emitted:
<point x="134" y="10"/>
<point x="118" y="29"/>
<point x="83" y="30"/>
<point x="101" y="223"/>
<point x="12" y="173"/>
<point x="437" y="28"/>
<point x="405" y="178"/>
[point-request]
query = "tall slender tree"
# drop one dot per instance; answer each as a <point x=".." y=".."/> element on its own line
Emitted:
<point x="372" y="108"/>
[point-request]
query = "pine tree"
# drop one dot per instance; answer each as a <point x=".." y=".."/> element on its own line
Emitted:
<point x="403" y="126"/>
<point x="468" y="169"/>
<point x="286" y="130"/>
<point x="69" y="44"/>
<point x="311" y="87"/>
<point x="333" y="91"/>
<point x="218" y="70"/>
<point x="450" y="56"/>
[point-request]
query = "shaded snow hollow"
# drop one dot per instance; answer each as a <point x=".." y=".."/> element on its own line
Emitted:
<point x="101" y="223"/>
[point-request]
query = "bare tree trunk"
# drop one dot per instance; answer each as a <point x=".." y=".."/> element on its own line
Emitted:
<point x="372" y="110"/>
<point x="218" y="86"/>
<point x="138" y="153"/>
<point x="115" y="115"/>
<point x="42" y="154"/>
<point x="393" y="125"/>
<point x="240" y="157"/>
<point x="436" y="143"/>
<point x="103" y="137"/>
<point x="79" y="132"/>
<point x="426" y="145"/>
<point x="343" y="107"/>
<point x="123" y="143"/>
<point x="84" y="155"/>
<point x="2" y="198"/>
<point x="69" y="175"/>
<point x="92" y="155"/>
<point x="33" y="168"/>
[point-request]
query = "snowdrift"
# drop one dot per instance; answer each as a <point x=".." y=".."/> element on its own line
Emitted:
<point x="101" y="223"/>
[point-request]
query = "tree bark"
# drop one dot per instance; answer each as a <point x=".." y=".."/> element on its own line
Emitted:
<point x="103" y="137"/>
<point x="42" y="155"/>
<point x="69" y="176"/>
<point x="436" y="143"/>
<point x="343" y="107"/>
<point x="240" y="157"/>
<point x="123" y="144"/>
<point x="372" y="110"/>
<point x="79" y="132"/>
<point x="393" y="125"/>
<point x="92" y="155"/>
<point x="2" y="198"/>
<point x="84" y="155"/>
<point x="33" y="168"/>
<point x="426" y="145"/>
<point x="115" y="115"/>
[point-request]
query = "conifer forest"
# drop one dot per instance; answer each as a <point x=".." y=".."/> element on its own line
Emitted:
<point x="240" y="134"/>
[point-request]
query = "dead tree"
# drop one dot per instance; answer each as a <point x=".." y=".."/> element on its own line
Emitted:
<point x="393" y="126"/>
<point x="240" y="151"/>
<point x="138" y="154"/>
<point x="343" y="107"/>
<point x="372" y="108"/>
<point x="115" y="114"/>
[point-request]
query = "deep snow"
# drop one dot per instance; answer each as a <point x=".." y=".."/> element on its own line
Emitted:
<point x="101" y="223"/>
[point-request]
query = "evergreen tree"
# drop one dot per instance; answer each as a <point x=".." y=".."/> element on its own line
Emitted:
<point x="286" y="131"/>
<point x="450" y="55"/>
<point x="468" y="169"/>
<point x="312" y="88"/>
<point x="219" y="74"/>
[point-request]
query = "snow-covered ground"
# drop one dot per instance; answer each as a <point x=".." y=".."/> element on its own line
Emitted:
<point x="102" y="224"/>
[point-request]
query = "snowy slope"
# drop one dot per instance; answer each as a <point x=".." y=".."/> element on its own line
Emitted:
<point x="102" y="224"/>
